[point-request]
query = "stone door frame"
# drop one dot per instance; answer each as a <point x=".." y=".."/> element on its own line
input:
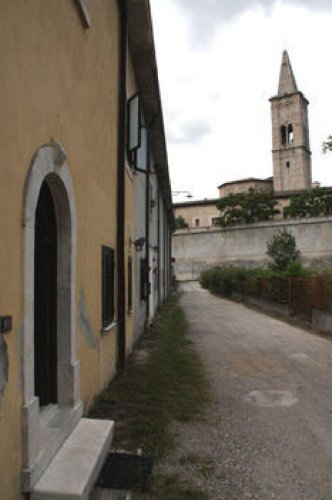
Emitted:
<point x="49" y="164"/>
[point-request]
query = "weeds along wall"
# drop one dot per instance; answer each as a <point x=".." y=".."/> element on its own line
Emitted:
<point x="198" y="249"/>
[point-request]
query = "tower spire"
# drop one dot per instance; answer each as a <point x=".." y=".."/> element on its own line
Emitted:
<point x="287" y="83"/>
<point x="290" y="134"/>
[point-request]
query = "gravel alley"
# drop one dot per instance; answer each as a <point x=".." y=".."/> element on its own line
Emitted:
<point x="269" y="431"/>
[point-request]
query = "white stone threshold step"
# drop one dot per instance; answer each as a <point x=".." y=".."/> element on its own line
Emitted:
<point x="73" y="471"/>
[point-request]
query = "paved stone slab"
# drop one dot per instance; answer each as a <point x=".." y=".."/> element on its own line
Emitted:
<point x="73" y="471"/>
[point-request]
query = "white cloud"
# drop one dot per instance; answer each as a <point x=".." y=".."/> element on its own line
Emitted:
<point x="215" y="96"/>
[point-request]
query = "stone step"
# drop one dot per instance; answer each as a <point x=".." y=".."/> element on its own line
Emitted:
<point x="73" y="471"/>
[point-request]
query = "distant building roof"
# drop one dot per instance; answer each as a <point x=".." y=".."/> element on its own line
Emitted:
<point x="248" y="179"/>
<point x="196" y="203"/>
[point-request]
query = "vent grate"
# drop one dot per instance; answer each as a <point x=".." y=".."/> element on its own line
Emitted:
<point x="124" y="471"/>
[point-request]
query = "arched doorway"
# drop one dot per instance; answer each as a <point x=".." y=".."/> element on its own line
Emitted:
<point x="50" y="370"/>
<point x="45" y="298"/>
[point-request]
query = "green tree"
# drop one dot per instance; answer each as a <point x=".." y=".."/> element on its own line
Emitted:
<point x="245" y="208"/>
<point x="180" y="223"/>
<point x="311" y="203"/>
<point x="282" y="250"/>
<point x="327" y="145"/>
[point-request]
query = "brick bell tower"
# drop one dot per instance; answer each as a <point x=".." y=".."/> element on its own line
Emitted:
<point x="290" y="134"/>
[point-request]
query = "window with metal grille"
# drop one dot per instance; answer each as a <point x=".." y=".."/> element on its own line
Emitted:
<point x="130" y="284"/>
<point x="107" y="286"/>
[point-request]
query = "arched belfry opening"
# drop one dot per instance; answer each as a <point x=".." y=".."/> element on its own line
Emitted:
<point x="286" y="134"/>
<point x="50" y="372"/>
<point x="290" y="134"/>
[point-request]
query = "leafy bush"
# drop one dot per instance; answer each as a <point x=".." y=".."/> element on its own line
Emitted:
<point x="264" y="283"/>
<point x="295" y="268"/>
<point x="222" y="280"/>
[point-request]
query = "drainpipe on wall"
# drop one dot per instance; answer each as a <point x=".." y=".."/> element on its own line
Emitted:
<point x="122" y="102"/>
<point x="165" y="254"/>
<point x="169" y="232"/>
<point x="158" y="240"/>
<point x="147" y="236"/>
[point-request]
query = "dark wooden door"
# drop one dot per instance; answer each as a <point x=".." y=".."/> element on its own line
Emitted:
<point x="45" y="313"/>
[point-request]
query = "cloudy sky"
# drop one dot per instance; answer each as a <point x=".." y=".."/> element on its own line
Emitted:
<point x="219" y="62"/>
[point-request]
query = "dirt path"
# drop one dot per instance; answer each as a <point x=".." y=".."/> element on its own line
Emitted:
<point x="269" y="432"/>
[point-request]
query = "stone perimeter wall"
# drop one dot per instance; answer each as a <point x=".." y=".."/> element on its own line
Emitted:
<point x="195" y="250"/>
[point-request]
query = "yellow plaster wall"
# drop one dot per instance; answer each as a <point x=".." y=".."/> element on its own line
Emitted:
<point x="56" y="80"/>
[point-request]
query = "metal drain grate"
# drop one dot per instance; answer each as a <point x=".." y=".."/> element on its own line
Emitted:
<point x="124" y="471"/>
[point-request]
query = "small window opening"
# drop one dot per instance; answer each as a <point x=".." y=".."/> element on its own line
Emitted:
<point x="287" y="164"/>
<point x="197" y="222"/>
<point x="283" y="134"/>
<point x="290" y="134"/>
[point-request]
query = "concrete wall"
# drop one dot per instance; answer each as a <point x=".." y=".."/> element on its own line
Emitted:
<point x="197" y="250"/>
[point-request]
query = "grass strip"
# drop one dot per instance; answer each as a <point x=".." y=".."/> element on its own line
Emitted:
<point x="166" y="383"/>
<point x="169" y="384"/>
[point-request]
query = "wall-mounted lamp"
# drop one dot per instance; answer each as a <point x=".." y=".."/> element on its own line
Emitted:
<point x="139" y="243"/>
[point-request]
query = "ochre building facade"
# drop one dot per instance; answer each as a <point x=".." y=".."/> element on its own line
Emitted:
<point x="70" y="249"/>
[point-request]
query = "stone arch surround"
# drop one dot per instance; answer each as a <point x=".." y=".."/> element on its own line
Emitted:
<point x="40" y="442"/>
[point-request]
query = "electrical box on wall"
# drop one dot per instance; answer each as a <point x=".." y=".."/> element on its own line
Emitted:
<point x="5" y="324"/>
